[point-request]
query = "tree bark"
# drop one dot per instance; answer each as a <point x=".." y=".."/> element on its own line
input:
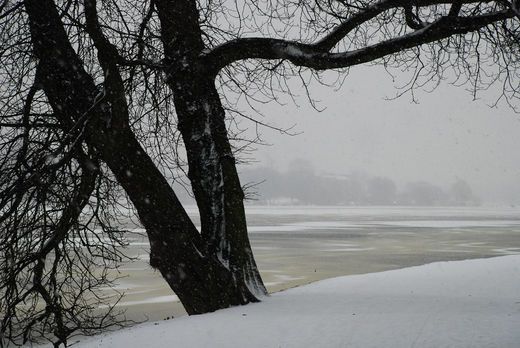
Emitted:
<point x="215" y="183"/>
<point x="190" y="262"/>
<point x="212" y="171"/>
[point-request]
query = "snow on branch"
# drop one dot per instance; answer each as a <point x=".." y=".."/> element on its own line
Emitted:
<point x="318" y="56"/>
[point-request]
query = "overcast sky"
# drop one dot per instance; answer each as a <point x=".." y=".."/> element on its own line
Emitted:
<point x="444" y="137"/>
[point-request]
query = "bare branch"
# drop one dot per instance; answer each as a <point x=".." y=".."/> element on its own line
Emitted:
<point x="308" y="56"/>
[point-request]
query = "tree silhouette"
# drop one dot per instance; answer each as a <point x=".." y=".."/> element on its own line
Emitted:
<point x="96" y="99"/>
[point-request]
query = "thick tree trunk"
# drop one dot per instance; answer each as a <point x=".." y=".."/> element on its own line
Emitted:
<point x="208" y="272"/>
<point x="215" y="182"/>
<point x="212" y="171"/>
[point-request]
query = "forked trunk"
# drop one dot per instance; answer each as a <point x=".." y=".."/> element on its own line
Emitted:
<point x="208" y="271"/>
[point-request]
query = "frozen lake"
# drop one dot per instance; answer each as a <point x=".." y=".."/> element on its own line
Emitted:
<point x="298" y="245"/>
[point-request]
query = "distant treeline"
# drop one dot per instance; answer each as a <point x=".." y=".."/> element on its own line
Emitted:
<point x="300" y="185"/>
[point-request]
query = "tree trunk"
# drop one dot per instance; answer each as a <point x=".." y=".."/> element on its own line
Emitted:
<point x="212" y="171"/>
<point x="207" y="271"/>
<point x="214" y="179"/>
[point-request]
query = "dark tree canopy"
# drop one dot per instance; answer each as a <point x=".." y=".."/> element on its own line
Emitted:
<point x="104" y="104"/>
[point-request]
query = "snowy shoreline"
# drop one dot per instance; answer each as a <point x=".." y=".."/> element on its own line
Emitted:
<point x="473" y="303"/>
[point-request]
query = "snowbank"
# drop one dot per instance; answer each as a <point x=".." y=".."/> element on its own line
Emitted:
<point x="473" y="303"/>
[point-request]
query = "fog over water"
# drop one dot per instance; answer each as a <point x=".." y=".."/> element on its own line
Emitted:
<point x="443" y="137"/>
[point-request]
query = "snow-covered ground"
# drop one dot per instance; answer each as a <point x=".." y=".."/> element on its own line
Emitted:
<point x="474" y="303"/>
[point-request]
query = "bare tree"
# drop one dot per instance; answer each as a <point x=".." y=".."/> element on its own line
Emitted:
<point x="98" y="96"/>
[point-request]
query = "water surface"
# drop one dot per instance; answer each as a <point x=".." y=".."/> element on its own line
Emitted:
<point x="298" y="245"/>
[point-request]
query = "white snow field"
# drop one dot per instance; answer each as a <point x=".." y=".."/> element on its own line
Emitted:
<point x="474" y="303"/>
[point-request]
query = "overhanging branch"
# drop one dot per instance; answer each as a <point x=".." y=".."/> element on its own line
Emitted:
<point x="313" y="56"/>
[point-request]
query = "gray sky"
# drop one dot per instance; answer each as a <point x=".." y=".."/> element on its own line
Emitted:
<point x="444" y="137"/>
